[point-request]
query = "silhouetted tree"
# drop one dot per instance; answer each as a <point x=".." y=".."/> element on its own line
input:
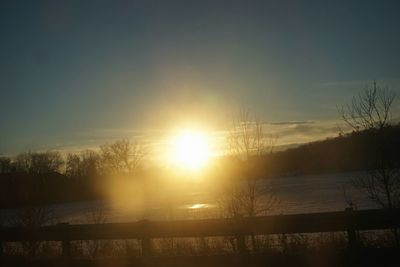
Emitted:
<point x="97" y="215"/>
<point x="122" y="156"/>
<point x="73" y="165"/>
<point x="370" y="109"/>
<point x="248" y="142"/>
<point x="30" y="218"/>
<point x="39" y="162"/>
<point x="382" y="186"/>
<point x="84" y="164"/>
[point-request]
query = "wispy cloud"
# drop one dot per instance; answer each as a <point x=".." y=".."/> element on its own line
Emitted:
<point x="307" y="131"/>
<point x="291" y="122"/>
<point x="288" y="133"/>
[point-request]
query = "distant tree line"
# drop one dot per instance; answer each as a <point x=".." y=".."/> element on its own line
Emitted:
<point x="355" y="151"/>
<point x="122" y="156"/>
<point x="33" y="178"/>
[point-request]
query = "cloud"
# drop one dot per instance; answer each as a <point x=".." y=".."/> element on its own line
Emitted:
<point x="291" y="122"/>
<point x="302" y="133"/>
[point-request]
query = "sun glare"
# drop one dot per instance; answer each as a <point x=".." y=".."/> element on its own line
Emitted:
<point x="190" y="150"/>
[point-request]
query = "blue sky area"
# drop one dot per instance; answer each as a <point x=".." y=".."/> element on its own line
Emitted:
<point x="78" y="73"/>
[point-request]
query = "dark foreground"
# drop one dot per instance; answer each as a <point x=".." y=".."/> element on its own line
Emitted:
<point x="360" y="257"/>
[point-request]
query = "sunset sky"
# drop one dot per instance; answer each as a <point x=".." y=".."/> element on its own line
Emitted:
<point x="75" y="74"/>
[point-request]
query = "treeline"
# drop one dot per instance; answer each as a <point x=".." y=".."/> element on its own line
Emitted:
<point x="49" y="177"/>
<point x="34" y="178"/>
<point x="120" y="156"/>
<point x="359" y="150"/>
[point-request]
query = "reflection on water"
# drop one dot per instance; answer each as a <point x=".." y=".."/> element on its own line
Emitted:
<point x="310" y="193"/>
<point x="198" y="206"/>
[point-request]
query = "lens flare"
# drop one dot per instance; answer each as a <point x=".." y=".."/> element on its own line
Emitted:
<point x="190" y="150"/>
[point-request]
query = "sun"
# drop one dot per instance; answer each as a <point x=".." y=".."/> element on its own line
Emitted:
<point x="190" y="150"/>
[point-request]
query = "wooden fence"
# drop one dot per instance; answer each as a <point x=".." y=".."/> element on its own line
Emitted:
<point x="343" y="221"/>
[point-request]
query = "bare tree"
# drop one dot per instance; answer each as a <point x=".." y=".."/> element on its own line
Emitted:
<point x="248" y="142"/>
<point x="122" y="156"/>
<point x="73" y="165"/>
<point x="39" y="162"/>
<point x="84" y="164"/>
<point x="247" y="137"/>
<point x="370" y="109"/>
<point x="96" y="215"/>
<point x="382" y="186"/>
<point x="30" y="218"/>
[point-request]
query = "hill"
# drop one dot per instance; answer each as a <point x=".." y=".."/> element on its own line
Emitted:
<point x="350" y="152"/>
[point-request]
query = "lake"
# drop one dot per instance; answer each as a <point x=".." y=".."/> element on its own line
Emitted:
<point x="297" y="194"/>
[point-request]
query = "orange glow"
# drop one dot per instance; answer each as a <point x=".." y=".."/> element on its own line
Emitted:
<point x="190" y="150"/>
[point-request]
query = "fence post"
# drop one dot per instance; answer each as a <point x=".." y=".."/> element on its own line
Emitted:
<point x="241" y="244"/>
<point x="351" y="231"/>
<point x="1" y="244"/>
<point x="239" y="236"/>
<point x="65" y="243"/>
<point x="147" y="249"/>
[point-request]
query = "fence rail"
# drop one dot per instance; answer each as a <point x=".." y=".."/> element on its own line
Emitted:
<point x="348" y="221"/>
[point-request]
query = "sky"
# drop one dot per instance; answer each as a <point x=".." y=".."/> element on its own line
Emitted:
<point x="74" y="74"/>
